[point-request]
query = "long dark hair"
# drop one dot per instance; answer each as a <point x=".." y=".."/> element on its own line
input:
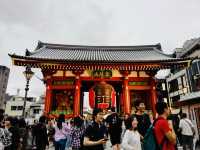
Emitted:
<point x="61" y="119"/>
<point x="129" y="122"/>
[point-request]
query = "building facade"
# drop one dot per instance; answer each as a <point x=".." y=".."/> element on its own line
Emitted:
<point x="114" y="76"/>
<point x="14" y="106"/>
<point x="36" y="109"/>
<point x="4" y="75"/>
<point x="184" y="84"/>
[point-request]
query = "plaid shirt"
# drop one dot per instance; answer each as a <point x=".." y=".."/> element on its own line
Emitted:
<point x="76" y="135"/>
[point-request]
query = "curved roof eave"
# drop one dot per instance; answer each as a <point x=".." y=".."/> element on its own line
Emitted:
<point x="29" y="58"/>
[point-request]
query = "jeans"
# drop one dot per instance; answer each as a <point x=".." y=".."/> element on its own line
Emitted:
<point x="60" y="145"/>
<point x="68" y="141"/>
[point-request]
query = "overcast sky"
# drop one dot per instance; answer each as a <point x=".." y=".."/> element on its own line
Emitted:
<point x="91" y="22"/>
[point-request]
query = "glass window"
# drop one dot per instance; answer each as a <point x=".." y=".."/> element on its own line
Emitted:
<point x="19" y="107"/>
<point x="36" y="111"/>
<point x="13" y="107"/>
<point x="173" y="85"/>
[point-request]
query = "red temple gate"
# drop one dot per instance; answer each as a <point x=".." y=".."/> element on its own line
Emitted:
<point x="114" y="76"/>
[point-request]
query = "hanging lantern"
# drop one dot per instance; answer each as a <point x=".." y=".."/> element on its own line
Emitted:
<point x="102" y="95"/>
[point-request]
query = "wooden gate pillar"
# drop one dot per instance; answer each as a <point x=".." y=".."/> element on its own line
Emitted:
<point x="153" y="96"/>
<point x="77" y="98"/>
<point x="126" y="97"/>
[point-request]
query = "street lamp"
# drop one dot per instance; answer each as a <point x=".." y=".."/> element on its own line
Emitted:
<point x="28" y="75"/>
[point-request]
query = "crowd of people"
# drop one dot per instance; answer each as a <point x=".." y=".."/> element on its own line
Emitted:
<point x="127" y="133"/>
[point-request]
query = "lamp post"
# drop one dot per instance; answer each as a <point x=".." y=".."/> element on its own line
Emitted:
<point x="28" y="75"/>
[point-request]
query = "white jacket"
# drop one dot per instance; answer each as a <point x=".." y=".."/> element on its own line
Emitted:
<point x="131" y="140"/>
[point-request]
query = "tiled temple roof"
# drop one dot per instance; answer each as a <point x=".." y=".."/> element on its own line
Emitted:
<point x="75" y="57"/>
<point x="146" y="53"/>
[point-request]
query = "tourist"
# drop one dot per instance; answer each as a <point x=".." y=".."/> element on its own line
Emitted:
<point x="187" y="132"/>
<point x="163" y="129"/>
<point x="131" y="139"/>
<point x="23" y="132"/>
<point x="96" y="134"/>
<point x="77" y="132"/>
<point x="61" y="133"/>
<point x="1" y="130"/>
<point x="33" y="132"/>
<point x="5" y="136"/>
<point x="50" y="131"/>
<point x="114" y="129"/>
<point x="142" y="118"/>
<point x="41" y="137"/>
<point x="11" y="123"/>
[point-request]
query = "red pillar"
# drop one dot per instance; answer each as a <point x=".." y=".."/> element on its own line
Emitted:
<point x="47" y="98"/>
<point x="77" y="96"/>
<point x="153" y="96"/>
<point x="125" y="92"/>
<point x="127" y="107"/>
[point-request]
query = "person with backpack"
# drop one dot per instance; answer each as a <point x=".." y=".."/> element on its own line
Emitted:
<point x="131" y="139"/>
<point x="163" y="129"/>
<point x="142" y="118"/>
<point x="187" y="132"/>
<point x="114" y="129"/>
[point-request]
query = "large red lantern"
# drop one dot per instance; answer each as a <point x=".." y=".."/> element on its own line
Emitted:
<point x="102" y="95"/>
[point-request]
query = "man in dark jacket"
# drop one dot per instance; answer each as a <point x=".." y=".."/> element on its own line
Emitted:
<point x="41" y="137"/>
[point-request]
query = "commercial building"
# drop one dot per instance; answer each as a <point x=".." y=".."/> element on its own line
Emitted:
<point x="184" y="84"/>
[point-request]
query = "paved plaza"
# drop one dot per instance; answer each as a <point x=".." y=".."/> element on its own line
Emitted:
<point x="108" y="147"/>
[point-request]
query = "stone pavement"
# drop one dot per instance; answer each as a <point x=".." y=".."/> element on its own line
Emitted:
<point x="108" y="147"/>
